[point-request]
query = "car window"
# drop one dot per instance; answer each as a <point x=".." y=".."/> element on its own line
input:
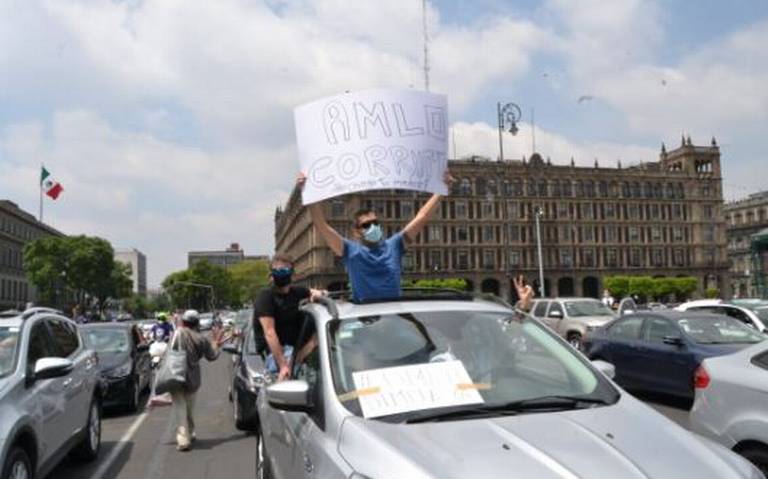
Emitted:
<point x="64" y="337"/>
<point x="540" y="309"/>
<point x="761" y="360"/>
<point x="9" y="342"/>
<point x="107" y="340"/>
<point x="736" y="313"/>
<point x="657" y="329"/>
<point x="555" y="307"/>
<point x="594" y="307"/>
<point x="39" y="344"/>
<point x="628" y="328"/>
<point x="718" y="329"/>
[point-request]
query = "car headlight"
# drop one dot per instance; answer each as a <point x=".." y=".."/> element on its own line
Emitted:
<point x="120" y="371"/>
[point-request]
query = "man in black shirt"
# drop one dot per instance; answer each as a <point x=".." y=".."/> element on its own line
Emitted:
<point x="277" y="309"/>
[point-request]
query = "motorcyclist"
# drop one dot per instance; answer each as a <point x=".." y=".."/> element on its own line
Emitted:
<point x="162" y="330"/>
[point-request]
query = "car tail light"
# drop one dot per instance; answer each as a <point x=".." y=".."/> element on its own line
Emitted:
<point x="700" y="378"/>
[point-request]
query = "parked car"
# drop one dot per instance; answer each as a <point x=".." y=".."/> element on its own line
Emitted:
<point x="731" y="403"/>
<point x="50" y="394"/>
<point x="243" y="319"/>
<point x="124" y="362"/>
<point x="753" y="313"/>
<point x="458" y="388"/>
<point x="206" y="321"/>
<point x="572" y="318"/>
<point x="246" y="380"/>
<point x="659" y="351"/>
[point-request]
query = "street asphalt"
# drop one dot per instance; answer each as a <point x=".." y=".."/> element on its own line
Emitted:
<point x="142" y="445"/>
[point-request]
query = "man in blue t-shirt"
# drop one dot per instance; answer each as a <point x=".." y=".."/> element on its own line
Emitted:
<point x="373" y="261"/>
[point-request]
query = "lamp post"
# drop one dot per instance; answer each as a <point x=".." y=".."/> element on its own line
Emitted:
<point x="508" y="114"/>
<point x="538" y="213"/>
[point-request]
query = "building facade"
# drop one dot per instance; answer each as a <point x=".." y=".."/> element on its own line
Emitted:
<point x="744" y="219"/>
<point x="17" y="228"/>
<point x="228" y="257"/>
<point x="138" y="263"/>
<point x="660" y="218"/>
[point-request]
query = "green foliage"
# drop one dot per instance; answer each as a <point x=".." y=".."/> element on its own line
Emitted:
<point x="248" y="278"/>
<point x="198" y="295"/>
<point x="651" y="288"/>
<point x="137" y="305"/>
<point x="161" y="302"/>
<point x="712" y="293"/>
<point x="451" y="283"/>
<point x="79" y="266"/>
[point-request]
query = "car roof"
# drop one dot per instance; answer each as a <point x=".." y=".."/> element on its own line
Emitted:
<point x="701" y="302"/>
<point x="352" y="310"/>
<point x="674" y="315"/>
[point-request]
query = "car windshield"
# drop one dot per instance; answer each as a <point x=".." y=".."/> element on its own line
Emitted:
<point x="9" y="339"/>
<point x="107" y="340"/>
<point x="587" y="308"/>
<point x="497" y="358"/>
<point x="718" y="329"/>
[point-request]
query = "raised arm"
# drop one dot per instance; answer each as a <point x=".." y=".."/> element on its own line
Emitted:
<point x="417" y="224"/>
<point x="332" y="237"/>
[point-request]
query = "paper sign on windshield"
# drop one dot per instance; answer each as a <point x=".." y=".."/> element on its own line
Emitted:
<point x="373" y="139"/>
<point x="413" y="388"/>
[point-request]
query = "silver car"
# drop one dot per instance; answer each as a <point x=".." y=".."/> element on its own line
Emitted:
<point x="753" y="313"/>
<point x="572" y="318"/>
<point x="49" y="394"/>
<point x="731" y="403"/>
<point x="458" y="389"/>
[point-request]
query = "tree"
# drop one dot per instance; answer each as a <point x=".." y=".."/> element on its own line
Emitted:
<point x="684" y="287"/>
<point x="712" y="293"/>
<point x="449" y="283"/>
<point x="137" y="305"/>
<point x="617" y="285"/>
<point x="202" y="286"/>
<point x="45" y="262"/>
<point x="248" y="278"/>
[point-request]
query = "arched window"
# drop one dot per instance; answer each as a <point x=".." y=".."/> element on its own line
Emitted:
<point x="491" y="187"/>
<point x="466" y="187"/>
<point x="480" y="189"/>
<point x="531" y="188"/>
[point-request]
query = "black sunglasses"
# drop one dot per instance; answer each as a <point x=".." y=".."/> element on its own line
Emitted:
<point x="367" y="224"/>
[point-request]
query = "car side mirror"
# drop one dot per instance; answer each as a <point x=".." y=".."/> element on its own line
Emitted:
<point x="556" y="314"/>
<point x="608" y="369"/>
<point x="230" y="348"/>
<point x="289" y="396"/>
<point x="48" y="368"/>
<point x="673" y="340"/>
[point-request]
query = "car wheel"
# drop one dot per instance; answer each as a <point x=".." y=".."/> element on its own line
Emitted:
<point x="240" y="423"/>
<point x="88" y="449"/>
<point x="262" y="460"/>
<point x="18" y="465"/>
<point x="758" y="456"/>
<point x="574" y="339"/>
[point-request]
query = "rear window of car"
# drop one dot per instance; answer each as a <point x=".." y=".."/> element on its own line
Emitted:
<point x="540" y="309"/>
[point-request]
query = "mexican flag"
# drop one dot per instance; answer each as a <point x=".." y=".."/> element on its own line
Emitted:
<point x="50" y="186"/>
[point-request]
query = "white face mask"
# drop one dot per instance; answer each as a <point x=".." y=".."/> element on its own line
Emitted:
<point x="373" y="234"/>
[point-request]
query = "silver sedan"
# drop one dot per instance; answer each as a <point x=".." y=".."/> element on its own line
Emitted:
<point x="457" y="389"/>
<point x="731" y="403"/>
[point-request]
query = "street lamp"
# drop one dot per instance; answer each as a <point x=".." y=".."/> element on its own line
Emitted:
<point x="538" y="213"/>
<point x="508" y="114"/>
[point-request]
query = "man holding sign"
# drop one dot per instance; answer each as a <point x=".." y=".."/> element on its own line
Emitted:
<point x="368" y="140"/>
<point x="372" y="261"/>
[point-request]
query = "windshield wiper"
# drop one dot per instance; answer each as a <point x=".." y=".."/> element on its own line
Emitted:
<point x="544" y="403"/>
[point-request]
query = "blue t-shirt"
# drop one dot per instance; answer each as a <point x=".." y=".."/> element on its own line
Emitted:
<point x="374" y="271"/>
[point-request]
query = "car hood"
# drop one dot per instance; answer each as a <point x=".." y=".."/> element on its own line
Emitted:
<point x="627" y="440"/>
<point x="109" y="361"/>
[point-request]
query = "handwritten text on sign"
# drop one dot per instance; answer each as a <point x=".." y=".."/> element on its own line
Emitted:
<point x="413" y="388"/>
<point x="374" y="139"/>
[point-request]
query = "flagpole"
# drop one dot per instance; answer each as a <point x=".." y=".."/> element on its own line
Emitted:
<point x="41" y="193"/>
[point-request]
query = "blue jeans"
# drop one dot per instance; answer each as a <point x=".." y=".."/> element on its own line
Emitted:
<point x="272" y="366"/>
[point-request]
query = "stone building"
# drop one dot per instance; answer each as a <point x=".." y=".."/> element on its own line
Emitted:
<point x="743" y="219"/>
<point x="661" y="218"/>
<point x="17" y="228"/>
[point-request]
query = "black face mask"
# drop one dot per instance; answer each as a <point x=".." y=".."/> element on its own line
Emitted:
<point x="281" y="281"/>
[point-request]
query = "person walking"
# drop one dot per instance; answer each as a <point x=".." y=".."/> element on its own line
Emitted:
<point x="197" y="347"/>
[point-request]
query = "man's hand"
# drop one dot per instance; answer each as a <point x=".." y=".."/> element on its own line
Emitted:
<point x="314" y="294"/>
<point x="285" y="372"/>
<point x="217" y="335"/>
<point x="524" y="292"/>
<point x="448" y="180"/>
<point x="301" y="180"/>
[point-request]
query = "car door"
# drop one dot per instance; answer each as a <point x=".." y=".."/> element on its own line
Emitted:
<point x="666" y="368"/>
<point x="47" y="396"/>
<point x="78" y="385"/>
<point x="622" y="348"/>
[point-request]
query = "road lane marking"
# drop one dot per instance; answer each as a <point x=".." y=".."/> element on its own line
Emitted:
<point x="118" y="448"/>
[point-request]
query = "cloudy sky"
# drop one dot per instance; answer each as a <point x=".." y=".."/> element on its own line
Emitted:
<point x="169" y="122"/>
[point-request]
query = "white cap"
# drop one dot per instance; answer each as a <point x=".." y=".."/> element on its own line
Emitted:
<point x="190" y="315"/>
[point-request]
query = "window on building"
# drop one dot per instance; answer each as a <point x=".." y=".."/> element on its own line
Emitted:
<point x="566" y="233"/>
<point x="709" y="233"/>
<point x="656" y="233"/>
<point x="435" y="233"/>
<point x="679" y="257"/>
<point x="435" y="260"/>
<point x="542" y="187"/>
<point x="338" y="209"/>
<point x="514" y="258"/>
<point x="492" y="187"/>
<point x="408" y="263"/>
<point x="657" y="257"/>
<point x="567" y="188"/>
<point x="655" y="212"/>
<point x="610" y="210"/>
<point x="603" y="189"/>
<point x="706" y="191"/>
<point x="566" y="258"/>
<point x="635" y="257"/>
<point x="462" y="260"/>
<point x="465" y="187"/>
<point x="556" y="189"/>
<point x="587" y="234"/>
<point x="489" y="259"/>
<point x="634" y="234"/>
<point x="677" y="234"/>
<point x="636" y="190"/>
<point x="710" y="256"/>
<point x="531" y="188"/>
<point x="488" y="210"/>
<point x="634" y="211"/>
<point x="406" y="209"/>
<point x="579" y="188"/>
<point x="462" y="234"/>
<point x="707" y="212"/>
<point x="586" y="211"/>
<point x="588" y="258"/>
<point x="610" y="234"/>
<point x="461" y="209"/>
<point x="611" y="258"/>
<point x="513" y="210"/>
<point x="488" y="234"/>
<point x="563" y="212"/>
<point x="480" y="186"/>
<point x="514" y="233"/>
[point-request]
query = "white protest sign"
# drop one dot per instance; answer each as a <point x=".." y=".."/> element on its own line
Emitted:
<point x="373" y="139"/>
<point x="413" y="388"/>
